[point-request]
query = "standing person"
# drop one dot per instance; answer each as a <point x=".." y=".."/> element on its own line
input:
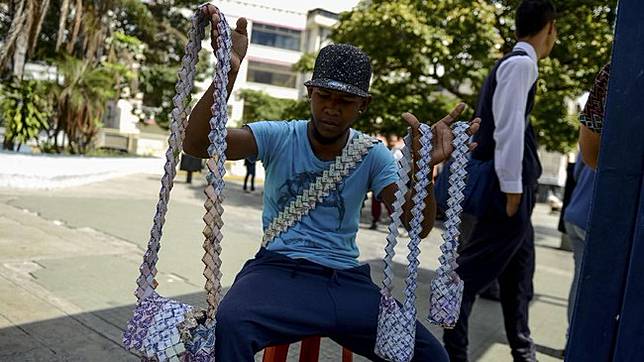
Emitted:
<point x="578" y="210"/>
<point x="308" y="281"/>
<point x="502" y="242"/>
<point x="376" y="205"/>
<point x="250" y="172"/>
<point x="576" y="221"/>
<point x="592" y="118"/>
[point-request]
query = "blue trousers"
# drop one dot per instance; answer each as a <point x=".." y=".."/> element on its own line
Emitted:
<point x="277" y="300"/>
<point x="577" y="237"/>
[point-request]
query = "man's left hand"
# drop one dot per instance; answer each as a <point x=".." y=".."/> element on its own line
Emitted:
<point x="442" y="134"/>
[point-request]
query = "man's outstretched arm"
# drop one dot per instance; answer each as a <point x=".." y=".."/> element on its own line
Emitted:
<point x="241" y="143"/>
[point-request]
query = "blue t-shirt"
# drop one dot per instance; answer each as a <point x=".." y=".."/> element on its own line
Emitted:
<point x="327" y="234"/>
<point x="577" y="211"/>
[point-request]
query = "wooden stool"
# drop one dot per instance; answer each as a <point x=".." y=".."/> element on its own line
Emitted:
<point x="309" y="352"/>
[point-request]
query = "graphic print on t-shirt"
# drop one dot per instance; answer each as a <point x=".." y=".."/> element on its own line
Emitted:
<point x="301" y="181"/>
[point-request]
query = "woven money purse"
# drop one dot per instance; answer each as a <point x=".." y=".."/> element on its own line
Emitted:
<point x="396" y="333"/>
<point x="163" y="329"/>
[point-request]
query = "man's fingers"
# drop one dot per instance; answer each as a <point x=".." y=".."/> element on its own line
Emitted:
<point x="240" y="38"/>
<point x="214" y="18"/>
<point x="413" y="122"/>
<point x="206" y="8"/>
<point x="457" y="110"/>
<point x="211" y="12"/>
<point x="446" y="139"/>
<point x="474" y="126"/>
<point x="242" y="27"/>
<point x="449" y="119"/>
<point x="472" y="146"/>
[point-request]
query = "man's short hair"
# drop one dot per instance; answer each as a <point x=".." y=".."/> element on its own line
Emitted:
<point x="532" y="16"/>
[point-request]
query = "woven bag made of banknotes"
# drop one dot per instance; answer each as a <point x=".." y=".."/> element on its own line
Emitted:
<point x="396" y="334"/>
<point x="163" y="329"/>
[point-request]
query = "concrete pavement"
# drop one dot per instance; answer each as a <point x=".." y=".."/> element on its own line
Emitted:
<point x="69" y="258"/>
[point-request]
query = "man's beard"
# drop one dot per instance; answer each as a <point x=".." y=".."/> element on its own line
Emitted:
<point x="323" y="139"/>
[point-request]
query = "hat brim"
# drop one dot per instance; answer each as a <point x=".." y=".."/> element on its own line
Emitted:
<point x="338" y="86"/>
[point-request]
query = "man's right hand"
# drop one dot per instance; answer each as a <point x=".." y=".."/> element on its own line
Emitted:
<point x="512" y="203"/>
<point x="239" y="39"/>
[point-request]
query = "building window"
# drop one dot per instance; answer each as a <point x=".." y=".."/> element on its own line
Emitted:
<point x="266" y="73"/>
<point x="275" y="36"/>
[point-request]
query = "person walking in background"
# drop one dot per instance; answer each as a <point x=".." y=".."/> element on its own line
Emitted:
<point x="250" y="172"/>
<point x="502" y="242"/>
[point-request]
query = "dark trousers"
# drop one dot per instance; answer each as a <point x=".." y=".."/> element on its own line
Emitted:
<point x="466" y="228"/>
<point x="376" y="209"/>
<point x="250" y="174"/>
<point x="500" y="248"/>
<point x="276" y="300"/>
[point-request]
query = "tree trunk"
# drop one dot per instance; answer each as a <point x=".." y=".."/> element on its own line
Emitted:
<point x="61" y="24"/>
<point x="38" y="18"/>
<point x="20" y="54"/>
<point x="16" y="28"/>
<point x="78" y="9"/>
<point x="23" y="34"/>
<point x="8" y="143"/>
<point x="94" y="32"/>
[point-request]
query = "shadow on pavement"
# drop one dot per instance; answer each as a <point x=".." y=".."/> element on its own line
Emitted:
<point x="96" y="335"/>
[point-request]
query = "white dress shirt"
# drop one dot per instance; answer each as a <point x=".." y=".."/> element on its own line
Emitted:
<point x="514" y="79"/>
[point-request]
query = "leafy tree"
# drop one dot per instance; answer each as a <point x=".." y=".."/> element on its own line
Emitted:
<point x="157" y="82"/>
<point x="24" y="110"/>
<point x="259" y="106"/>
<point x="306" y="63"/>
<point x="137" y="44"/>
<point x="428" y="55"/>
<point x="300" y="109"/>
<point x="163" y="27"/>
<point x="82" y="100"/>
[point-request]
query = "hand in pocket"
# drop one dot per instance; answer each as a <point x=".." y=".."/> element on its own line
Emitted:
<point x="512" y="203"/>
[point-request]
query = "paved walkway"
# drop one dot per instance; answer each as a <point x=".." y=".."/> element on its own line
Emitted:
<point x="69" y="257"/>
